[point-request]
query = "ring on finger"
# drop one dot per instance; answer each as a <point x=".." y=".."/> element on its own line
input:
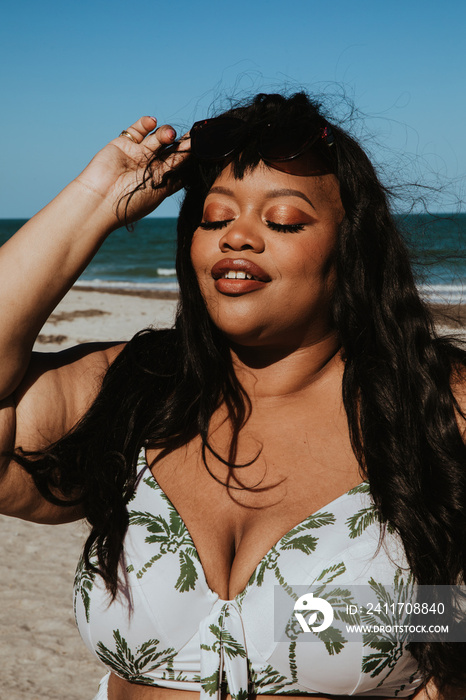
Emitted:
<point x="128" y="135"/>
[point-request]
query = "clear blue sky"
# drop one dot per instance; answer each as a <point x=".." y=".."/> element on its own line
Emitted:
<point x="74" y="74"/>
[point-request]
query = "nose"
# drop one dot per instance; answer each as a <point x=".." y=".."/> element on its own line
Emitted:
<point x="242" y="235"/>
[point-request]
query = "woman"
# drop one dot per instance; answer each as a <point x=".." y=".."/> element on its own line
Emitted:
<point x="302" y="391"/>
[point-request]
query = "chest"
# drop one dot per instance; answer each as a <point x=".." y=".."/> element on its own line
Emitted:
<point x="179" y="621"/>
<point x="287" y="471"/>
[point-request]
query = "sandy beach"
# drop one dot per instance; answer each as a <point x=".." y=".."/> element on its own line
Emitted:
<point x="41" y="654"/>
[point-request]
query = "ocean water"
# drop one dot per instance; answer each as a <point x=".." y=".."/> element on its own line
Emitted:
<point x="438" y="252"/>
<point x="145" y="257"/>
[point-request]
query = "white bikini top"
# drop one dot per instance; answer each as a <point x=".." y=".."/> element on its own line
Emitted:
<point x="177" y="633"/>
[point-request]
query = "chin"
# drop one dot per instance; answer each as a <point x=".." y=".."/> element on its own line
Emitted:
<point x="249" y="337"/>
<point x="288" y="339"/>
<point x="254" y="336"/>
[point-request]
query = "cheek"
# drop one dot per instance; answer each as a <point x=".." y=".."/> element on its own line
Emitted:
<point x="201" y="259"/>
<point x="313" y="261"/>
<point x="197" y="253"/>
<point x="322" y="253"/>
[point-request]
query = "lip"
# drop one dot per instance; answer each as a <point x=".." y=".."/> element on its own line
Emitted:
<point x="236" y="287"/>
<point x="227" y="264"/>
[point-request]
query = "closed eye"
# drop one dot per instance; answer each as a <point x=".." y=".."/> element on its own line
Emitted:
<point x="284" y="228"/>
<point x="214" y="225"/>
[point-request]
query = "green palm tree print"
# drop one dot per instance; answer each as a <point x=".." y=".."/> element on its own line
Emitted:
<point x="171" y="536"/>
<point x="388" y="646"/>
<point x="132" y="665"/>
<point x="84" y="582"/>
<point x="298" y="539"/>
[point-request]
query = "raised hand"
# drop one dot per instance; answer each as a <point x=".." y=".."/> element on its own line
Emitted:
<point x="119" y="168"/>
<point x="44" y="258"/>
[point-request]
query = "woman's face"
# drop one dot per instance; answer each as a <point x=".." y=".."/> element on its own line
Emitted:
<point x="264" y="256"/>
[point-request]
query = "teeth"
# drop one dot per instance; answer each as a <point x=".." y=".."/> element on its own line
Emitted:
<point x="237" y="275"/>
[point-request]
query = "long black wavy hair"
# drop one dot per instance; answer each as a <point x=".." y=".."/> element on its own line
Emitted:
<point x="403" y="418"/>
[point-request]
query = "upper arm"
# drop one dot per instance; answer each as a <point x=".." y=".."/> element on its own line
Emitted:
<point x="55" y="393"/>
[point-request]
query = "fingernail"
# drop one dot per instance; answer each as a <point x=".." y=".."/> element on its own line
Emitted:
<point x="172" y="134"/>
<point x="155" y="120"/>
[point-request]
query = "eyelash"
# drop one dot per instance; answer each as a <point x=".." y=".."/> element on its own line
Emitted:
<point x="281" y="228"/>
<point x="285" y="228"/>
<point x="214" y="225"/>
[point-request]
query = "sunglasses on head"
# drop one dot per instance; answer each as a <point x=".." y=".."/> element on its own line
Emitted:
<point x="279" y="147"/>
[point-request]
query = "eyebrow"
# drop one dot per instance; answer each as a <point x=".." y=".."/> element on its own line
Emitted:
<point x="269" y="195"/>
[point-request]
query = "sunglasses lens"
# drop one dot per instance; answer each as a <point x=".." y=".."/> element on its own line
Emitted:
<point x="213" y="139"/>
<point x="307" y="164"/>
<point x="282" y="143"/>
<point x="285" y="147"/>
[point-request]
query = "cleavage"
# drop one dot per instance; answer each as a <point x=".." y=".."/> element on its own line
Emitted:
<point x="232" y="534"/>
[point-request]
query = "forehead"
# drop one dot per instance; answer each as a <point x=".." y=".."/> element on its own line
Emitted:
<point x="259" y="184"/>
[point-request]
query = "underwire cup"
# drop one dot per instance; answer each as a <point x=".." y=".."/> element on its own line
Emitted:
<point x="102" y="693"/>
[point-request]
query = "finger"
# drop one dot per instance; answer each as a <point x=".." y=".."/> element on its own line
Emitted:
<point x="180" y="150"/>
<point x="183" y="147"/>
<point x="139" y="130"/>
<point x="185" y="141"/>
<point x="163" y="136"/>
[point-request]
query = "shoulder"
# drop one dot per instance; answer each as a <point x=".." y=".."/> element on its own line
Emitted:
<point x="55" y="393"/>
<point x="58" y="389"/>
